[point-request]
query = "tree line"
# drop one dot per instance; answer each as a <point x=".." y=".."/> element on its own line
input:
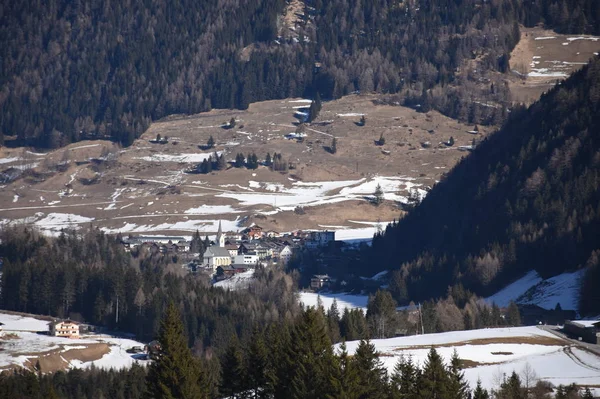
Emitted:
<point x="293" y="359"/>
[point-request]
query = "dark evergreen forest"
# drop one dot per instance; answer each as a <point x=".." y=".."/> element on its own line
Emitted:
<point x="75" y="70"/>
<point x="526" y="198"/>
<point x="294" y="359"/>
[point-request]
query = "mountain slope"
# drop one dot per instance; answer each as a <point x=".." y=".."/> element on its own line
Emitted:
<point x="527" y="198"/>
<point x="87" y="69"/>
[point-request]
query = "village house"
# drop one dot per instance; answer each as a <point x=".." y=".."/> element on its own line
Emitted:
<point x="216" y="256"/>
<point x="233" y="237"/>
<point x="284" y="255"/>
<point x="319" y="281"/>
<point x="64" y="328"/>
<point x="233" y="250"/>
<point x="246" y="259"/>
<point x="224" y="272"/>
<point x="263" y="251"/>
<point x="254" y="232"/>
<point x="184" y="245"/>
<point x="320" y="239"/>
<point x="272" y="234"/>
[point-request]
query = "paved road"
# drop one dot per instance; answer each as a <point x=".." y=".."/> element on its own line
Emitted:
<point x="557" y="331"/>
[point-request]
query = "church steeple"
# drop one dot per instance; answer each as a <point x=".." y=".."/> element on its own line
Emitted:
<point x="220" y="237"/>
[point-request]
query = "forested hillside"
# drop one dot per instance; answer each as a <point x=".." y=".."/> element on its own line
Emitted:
<point x="527" y="198"/>
<point x="86" y="69"/>
<point x="87" y="277"/>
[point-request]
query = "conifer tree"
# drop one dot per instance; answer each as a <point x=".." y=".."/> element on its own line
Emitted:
<point x="334" y="145"/>
<point x="333" y="322"/>
<point x="434" y="378"/>
<point x="268" y="161"/>
<point x="404" y="379"/>
<point x="239" y="160"/>
<point x="372" y="373"/>
<point x="315" y="108"/>
<point x="480" y="392"/>
<point x="311" y="359"/>
<point x="259" y="371"/>
<point x="176" y="373"/>
<point x="513" y="317"/>
<point x="378" y="195"/>
<point x="458" y="388"/>
<point x="345" y="381"/>
<point x="232" y="370"/>
<point x="210" y="143"/>
<point x="511" y="388"/>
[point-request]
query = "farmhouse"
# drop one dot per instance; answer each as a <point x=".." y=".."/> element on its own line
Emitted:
<point x="64" y="328"/>
<point x="587" y="331"/>
<point x="319" y="281"/>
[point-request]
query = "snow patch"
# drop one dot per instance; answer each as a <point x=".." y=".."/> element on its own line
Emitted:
<point x="350" y="301"/>
<point x="211" y="210"/>
<point x="190" y="158"/>
<point x="532" y="289"/>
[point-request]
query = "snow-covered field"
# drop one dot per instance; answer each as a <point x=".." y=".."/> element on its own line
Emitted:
<point x="532" y="289"/>
<point x="31" y="342"/>
<point x="343" y="300"/>
<point x="498" y="352"/>
<point x="326" y="192"/>
<point x="237" y="282"/>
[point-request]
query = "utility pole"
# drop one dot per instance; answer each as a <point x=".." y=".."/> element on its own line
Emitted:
<point x="421" y="316"/>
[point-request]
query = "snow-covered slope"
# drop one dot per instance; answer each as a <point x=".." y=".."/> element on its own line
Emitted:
<point x="532" y="289"/>
<point x="496" y="352"/>
<point x="236" y="282"/>
<point x="343" y="300"/>
<point x="23" y="341"/>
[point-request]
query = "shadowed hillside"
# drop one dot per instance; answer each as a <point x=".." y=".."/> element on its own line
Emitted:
<point x="527" y="198"/>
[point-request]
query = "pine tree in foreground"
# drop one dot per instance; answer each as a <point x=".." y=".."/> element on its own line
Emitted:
<point x="310" y="358"/>
<point x="259" y="372"/>
<point x="371" y="371"/>
<point x="345" y="381"/>
<point x="480" y="392"/>
<point x="232" y="370"/>
<point x="434" y="379"/>
<point x="404" y="379"/>
<point x="176" y="373"/>
<point x="458" y="388"/>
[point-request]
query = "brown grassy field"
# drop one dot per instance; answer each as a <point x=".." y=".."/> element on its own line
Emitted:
<point x="542" y="57"/>
<point x="146" y="184"/>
